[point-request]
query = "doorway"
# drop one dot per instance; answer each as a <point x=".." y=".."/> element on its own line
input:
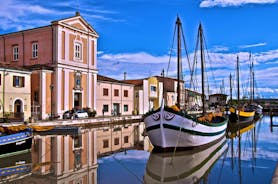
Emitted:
<point x="116" y="109"/>
<point x="77" y="100"/>
<point x="18" y="109"/>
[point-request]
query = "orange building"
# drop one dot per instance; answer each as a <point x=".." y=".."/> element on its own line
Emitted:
<point x="62" y="57"/>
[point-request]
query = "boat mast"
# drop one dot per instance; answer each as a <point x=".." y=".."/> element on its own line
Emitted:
<point x="178" y="24"/>
<point x="231" y="89"/>
<point x="202" y="67"/>
<point x="237" y="71"/>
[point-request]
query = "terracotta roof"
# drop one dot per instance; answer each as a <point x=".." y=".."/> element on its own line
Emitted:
<point x="195" y="92"/>
<point x="108" y="79"/>
<point x="218" y="94"/>
<point x="5" y="66"/>
<point x="136" y="82"/>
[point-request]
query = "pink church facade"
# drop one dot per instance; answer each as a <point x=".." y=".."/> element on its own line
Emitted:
<point x="62" y="58"/>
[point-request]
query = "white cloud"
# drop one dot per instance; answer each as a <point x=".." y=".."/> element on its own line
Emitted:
<point x="219" y="49"/>
<point x="139" y="58"/>
<point x="221" y="64"/>
<point x="226" y="3"/>
<point x="252" y="45"/>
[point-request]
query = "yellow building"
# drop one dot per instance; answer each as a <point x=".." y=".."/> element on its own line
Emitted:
<point x="15" y="91"/>
<point x="150" y="91"/>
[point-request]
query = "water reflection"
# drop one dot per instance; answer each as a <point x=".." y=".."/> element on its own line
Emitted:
<point x="236" y="132"/>
<point x="183" y="166"/>
<point x="15" y="168"/>
<point x="248" y="154"/>
<point x="69" y="157"/>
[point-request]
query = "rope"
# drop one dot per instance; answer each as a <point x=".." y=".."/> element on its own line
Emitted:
<point x="177" y="143"/>
<point x="171" y="50"/>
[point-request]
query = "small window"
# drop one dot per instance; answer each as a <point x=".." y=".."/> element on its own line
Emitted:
<point x="18" y="81"/>
<point x="125" y="139"/>
<point x="116" y="141"/>
<point x="105" y="143"/>
<point x="116" y="92"/>
<point x="105" y="108"/>
<point x="153" y="88"/>
<point x="36" y="96"/>
<point x="78" y="51"/>
<point x="15" y="53"/>
<point x="105" y="91"/>
<point x="35" y="50"/>
<point x="125" y="108"/>
<point x="125" y="93"/>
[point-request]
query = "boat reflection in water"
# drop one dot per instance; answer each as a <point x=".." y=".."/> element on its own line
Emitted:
<point x="236" y="132"/>
<point x="183" y="166"/>
<point x="16" y="167"/>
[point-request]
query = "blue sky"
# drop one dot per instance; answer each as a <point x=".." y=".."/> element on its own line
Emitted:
<point x="136" y="35"/>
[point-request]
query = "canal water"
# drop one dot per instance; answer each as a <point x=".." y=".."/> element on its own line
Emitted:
<point x="120" y="154"/>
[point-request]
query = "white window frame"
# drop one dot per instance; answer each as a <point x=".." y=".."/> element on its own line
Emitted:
<point x="35" y="49"/>
<point x="15" y="53"/>
<point x="78" y="51"/>
<point x="153" y="93"/>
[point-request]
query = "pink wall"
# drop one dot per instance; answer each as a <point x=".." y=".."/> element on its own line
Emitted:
<point x="43" y="36"/>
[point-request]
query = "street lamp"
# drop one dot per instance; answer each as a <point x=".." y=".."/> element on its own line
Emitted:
<point x="51" y="95"/>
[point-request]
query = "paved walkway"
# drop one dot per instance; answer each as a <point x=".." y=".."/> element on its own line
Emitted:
<point x="85" y="122"/>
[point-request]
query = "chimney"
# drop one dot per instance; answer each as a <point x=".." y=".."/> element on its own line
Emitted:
<point x="77" y="13"/>
<point x="124" y="75"/>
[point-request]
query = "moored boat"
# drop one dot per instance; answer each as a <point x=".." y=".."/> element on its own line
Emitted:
<point x="171" y="128"/>
<point x="15" y="140"/>
<point x="240" y="114"/>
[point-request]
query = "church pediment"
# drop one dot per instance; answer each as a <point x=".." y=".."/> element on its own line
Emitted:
<point x="77" y="22"/>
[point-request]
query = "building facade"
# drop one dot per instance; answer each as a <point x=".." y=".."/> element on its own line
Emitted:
<point x="193" y="100"/>
<point x="217" y="99"/>
<point x="15" y="93"/>
<point x="62" y="57"/>
<point x="114" y="97"/>
<point x="150" y="91"/>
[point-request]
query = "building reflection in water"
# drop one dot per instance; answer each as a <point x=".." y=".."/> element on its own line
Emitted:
<point x="119" y="137"/>
<point x="64" y="158"/>
<point x="70" y="158"/>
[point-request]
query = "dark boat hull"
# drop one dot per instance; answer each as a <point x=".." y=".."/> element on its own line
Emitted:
<point x="9" y="146"/>
<point x="241" y="119"/>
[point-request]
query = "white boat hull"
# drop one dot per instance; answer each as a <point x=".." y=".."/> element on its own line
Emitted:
<point x="170" y="130"/>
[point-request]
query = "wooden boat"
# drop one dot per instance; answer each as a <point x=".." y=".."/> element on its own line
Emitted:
<point x="16" y="167"/>
<point x="185" y="166"/>
<point x="241" y="113"/>
<point x="15" y="140"/>
<point x="170" y="128"/>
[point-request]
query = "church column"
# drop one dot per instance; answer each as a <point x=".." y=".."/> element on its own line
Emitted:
<point x="43" y="94"/>
<point x="89" y="90"/>
<point x="66" y="91"/>
<point x="58" y="90"/>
